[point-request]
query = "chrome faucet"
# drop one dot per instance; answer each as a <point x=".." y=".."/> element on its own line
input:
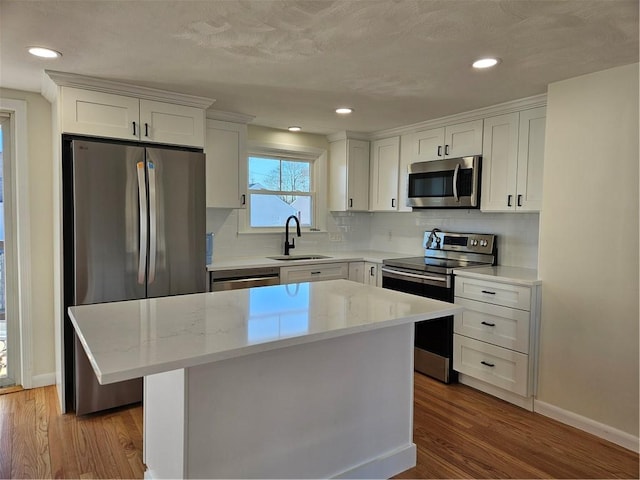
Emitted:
<point x="288" y="246"/>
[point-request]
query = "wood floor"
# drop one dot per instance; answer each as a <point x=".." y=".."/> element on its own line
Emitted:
<point x="460" y="433"/>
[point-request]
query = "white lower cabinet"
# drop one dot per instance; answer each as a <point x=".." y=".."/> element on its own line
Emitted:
<point x="498" y="366"/>
<point x="373" y="274"/>
<point x="313" y="273"/>
<point x="495" y="337"/>
<point x="368" y="273"/>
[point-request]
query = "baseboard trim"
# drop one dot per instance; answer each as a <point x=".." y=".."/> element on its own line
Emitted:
<point x="520" y="401"/>
<point x="588" y="425"/>
<point x="386" y="466"/>
<point x="43" y="380"/>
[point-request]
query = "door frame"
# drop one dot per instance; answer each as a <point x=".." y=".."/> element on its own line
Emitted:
<point x="20" y="323"/>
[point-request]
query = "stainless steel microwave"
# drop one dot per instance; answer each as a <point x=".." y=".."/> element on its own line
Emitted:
<point x="450" y="183"/>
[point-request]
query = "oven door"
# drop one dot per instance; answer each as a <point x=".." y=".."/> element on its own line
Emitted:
<point x="451" y="183"/>
<point x="433" y="354"/>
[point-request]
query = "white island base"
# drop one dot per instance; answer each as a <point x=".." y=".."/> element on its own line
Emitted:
<point x="338" y="407"/>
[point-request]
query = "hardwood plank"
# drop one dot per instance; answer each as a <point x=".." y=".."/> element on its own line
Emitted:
<point x="42" y="434"/>
<point x="6" y="436"/>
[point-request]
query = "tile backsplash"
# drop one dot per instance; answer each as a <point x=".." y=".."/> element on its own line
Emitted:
<point x="392" y="232"/>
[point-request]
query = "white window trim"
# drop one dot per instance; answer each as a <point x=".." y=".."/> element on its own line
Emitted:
<point x="318" y="157"/>
<point x="17" y="110"/>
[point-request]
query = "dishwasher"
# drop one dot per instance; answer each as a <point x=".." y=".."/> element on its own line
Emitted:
<point x="244" y="278"/>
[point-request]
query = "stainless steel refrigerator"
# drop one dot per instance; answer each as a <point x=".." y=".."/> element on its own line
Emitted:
<point x="133" y="228"/>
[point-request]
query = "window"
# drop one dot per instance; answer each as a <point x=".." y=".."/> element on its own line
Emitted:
<point x="279" y="188"/>
<point x="284" y="180"/>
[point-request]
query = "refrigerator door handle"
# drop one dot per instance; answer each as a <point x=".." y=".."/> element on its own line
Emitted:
<point x="153" y="221"/>
<point x="142" y="199"/>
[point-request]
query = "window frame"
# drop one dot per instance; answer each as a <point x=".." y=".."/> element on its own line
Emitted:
<point x="317" y="159"/>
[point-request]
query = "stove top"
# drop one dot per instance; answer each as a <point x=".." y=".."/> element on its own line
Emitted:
<point x="444" y="252"/>
<point x="434" y="265"/>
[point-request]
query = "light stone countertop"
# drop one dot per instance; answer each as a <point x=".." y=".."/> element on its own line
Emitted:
<point x="131" y="339"/>
<point x="514" y="275"/>
<point x="250" y="261"/>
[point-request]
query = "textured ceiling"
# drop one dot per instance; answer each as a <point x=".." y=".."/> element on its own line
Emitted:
<point x="396" y="62"/>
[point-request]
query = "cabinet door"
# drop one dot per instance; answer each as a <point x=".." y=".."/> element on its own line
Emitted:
<point x="499" y="163"/>
<point x="428" y="145"/>
<point x="372" y="274"/>
<point x="385" y="158"/>
<point x="530" y="159"/>
<point x="100" y="114"/>
<point x="463" y="139"/>
<point x="357" y="175"/>
<point x="171" y="124"/>
<point x="356" y="272"/>
<point x="226" y="164"/>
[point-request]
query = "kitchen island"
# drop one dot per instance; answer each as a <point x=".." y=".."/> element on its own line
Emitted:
<point x="309" y="380"/>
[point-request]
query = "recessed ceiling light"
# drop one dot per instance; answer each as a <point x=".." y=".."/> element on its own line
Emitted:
<point x="344" y="110"/>
<point x="44" y="52"/>
<point x="486" y="62"/>
<point x="295" y="129"/>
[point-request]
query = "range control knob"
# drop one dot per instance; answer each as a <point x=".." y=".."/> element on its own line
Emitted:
<point x="483" y="243"/>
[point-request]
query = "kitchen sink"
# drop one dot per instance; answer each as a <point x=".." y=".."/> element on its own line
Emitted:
<point x="297" y="257"/>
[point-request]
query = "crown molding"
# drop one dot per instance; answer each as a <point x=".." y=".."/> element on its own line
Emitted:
<point x="346" y="134"/>
<point x="64" y="79"/>
<point x="229" y="116"/>
<point x="479" y="114"/>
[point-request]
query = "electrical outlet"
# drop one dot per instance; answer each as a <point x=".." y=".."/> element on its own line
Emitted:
<point x="335" y="237"/>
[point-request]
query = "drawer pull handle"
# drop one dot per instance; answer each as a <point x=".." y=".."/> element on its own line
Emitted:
<point x="487" y="364"/>
<point x="488" y="324"/>
<point x="488" y="292"/>
<point x="316" y="273"/>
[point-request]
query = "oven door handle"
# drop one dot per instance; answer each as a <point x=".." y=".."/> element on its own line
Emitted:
<point x="414" y="275"/>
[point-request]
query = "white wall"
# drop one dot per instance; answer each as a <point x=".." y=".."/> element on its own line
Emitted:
<point x="41" y="225"/>
<point x="588" y="258"/>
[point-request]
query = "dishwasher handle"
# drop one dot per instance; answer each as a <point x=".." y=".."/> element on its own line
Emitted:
<point x="237" y="283"/>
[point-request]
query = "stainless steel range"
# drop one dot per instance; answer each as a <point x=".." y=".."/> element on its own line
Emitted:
<point x="432" y="276"/>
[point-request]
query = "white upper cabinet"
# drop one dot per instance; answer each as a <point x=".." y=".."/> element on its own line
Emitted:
<point x="452" y="141"/>
<point x="349" y="175"/>
<point x="385" y="162"/>
<point x="162" y="122"/>
<point x="512" y="161"/>
<point x="109" y="115"/>
<point x="226" y="164"/>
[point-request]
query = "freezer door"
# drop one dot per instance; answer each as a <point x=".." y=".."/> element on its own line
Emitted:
<point x="107" y="222"/>
<point x="177" y="217"/>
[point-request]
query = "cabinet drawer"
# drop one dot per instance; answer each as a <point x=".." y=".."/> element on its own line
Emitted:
<point x="501" y="326"/>
<point x="312" y="273"/>
<point x="495" y="365"/>
<point x="504" y="294"/>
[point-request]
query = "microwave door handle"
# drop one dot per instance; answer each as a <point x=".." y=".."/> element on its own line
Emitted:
<point x="455" y="182"/>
